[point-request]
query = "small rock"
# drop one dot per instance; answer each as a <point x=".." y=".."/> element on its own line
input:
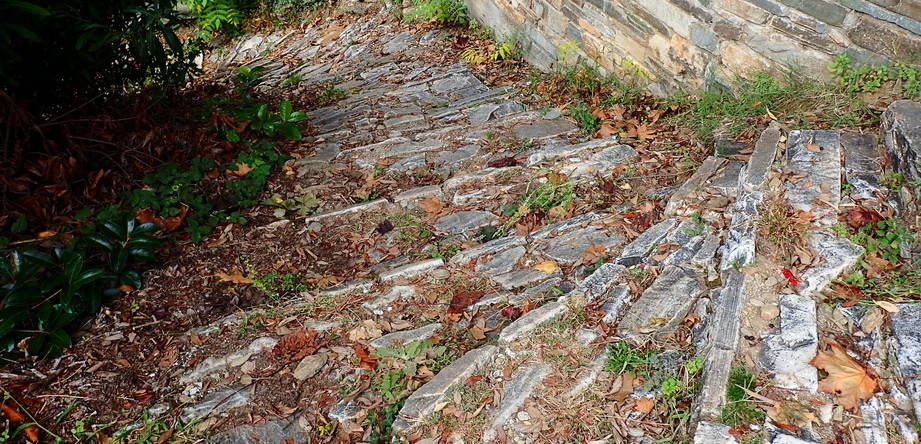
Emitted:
<point x="769" y="312"/>
<point x="440" y="274"/>
<point x="310" y="366"/>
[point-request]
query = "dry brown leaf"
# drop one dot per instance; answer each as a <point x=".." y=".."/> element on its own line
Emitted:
<point x="621" y="388"/>
<point x="790" y="414"/>
<point x="430" y="205"/>
<point x="241" y="170"/>
<point x="811" y="146"/>
<point x="645" y="405"/>
<point x="888" y="306"/>
<point x="364" y="331"/>
<point x="547" y="267"/>
<point x="846" y="377"/>
<point x="236" y="277"/>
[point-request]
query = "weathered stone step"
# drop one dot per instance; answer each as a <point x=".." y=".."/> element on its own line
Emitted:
<point x="664" y="304"/>
<point x="814" y="157"/>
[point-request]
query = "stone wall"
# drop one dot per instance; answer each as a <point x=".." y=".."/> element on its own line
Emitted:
<point x="686" y="44"/>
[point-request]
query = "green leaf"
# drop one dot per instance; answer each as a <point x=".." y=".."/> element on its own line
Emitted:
<point x="20" y="225"/>
<point x="289" y="131"/>
<point x="42" y="259"/>
<point x="285" y="110"/>
<point x="131" y="278"/>
<point x="87" y="276"/>
<point x="100" y="241"/>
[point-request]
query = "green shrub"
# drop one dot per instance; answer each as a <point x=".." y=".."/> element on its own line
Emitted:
<point x="58" y="50"/>
<point x="44" y="291"/>
<point x="445" y="12"/>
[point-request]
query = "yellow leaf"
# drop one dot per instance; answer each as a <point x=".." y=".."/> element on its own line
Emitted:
<point x="547" y="267"/>
<point x="846" y="377"/>
<point x="888" y="306"/>
<point x="236" y="277"/>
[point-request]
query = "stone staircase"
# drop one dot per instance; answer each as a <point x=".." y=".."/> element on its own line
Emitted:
<point x="408" y="112"/>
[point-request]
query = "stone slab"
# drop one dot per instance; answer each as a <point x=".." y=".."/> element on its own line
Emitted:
<point x="599" y="284"/>
<point x="531" y="320"/>
<point x="862" y="165"/>
<point x="271" y="431"/>
<point x="713" y="433"/>
<point x="400" y="338"/>
<point x="815" y="155"/>
<point x="723" y="334"/>
<point x="786" y="355"/>
<point x="412" y="270"/>
<point x="364" y="207"/>
<point x="421" y="403"/>
<point x="502" y="262"/>
<point x="523" y="278"/>
<point x="901" y="128"/>
<point x="464" y="221"/>
<point x="516" y="392"/>
<point x="841" y="255"/>
<point x="741" y="237"/>
<point x="664" y="304"/>
<point x="381" y="304"/>
<point x="215" y="364"/>
<point x="544" y="129"/>
<point x="706" y="170"/>
<point x="218" y="402"/>
<point x="563" y="226"/>
<point x="906" y="331"/>
<point x="567" y="249"/>
<point x="409" y="198"/>
<point x="619" y="297"/>
<point x="491" y="247"/>
<point x="637" y="250"/>
<point x="557" y="151"/>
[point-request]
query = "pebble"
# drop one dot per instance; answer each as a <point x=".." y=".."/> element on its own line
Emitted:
<point x="440" y="274"/>
<point x="769" y="312"/>
<point x="310" y="366"/>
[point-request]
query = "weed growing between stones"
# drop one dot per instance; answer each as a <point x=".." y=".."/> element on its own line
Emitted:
<point x="740" y="409"/>
<point x="781" y="230"/>
<point x="548" y="197"/>
<point x="753" y="103"/>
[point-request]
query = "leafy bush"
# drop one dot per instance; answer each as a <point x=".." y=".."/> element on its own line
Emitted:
<point x="44" y="291"/>
<point x="216" y="15"/>
<point x="445" y="12"/>
<point x="55" y="50"/>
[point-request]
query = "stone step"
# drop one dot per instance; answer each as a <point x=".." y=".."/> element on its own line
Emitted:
<point x="814" y="158"/>
<point x="787" y="352"/>
<point x="664" y="304"/>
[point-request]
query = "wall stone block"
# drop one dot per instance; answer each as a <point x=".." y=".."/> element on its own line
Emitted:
<point x="684" y="44"/>
<point x="827" y="12"/>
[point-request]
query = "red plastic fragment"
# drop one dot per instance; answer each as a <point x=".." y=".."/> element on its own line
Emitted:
<point x="790" y="277"/>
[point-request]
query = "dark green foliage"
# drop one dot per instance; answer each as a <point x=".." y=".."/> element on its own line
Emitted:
<point x="56" y="50"/>
<point x="44" y="291"/>
<point x="209" y="201"/>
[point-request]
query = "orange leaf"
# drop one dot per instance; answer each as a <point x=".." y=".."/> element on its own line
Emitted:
<point x="236" y="277"/>
<point x="645" y="405"/>
<point x="606" y="131"/>
<point x="242" y="169"/>
<point x="846" y="377"/>
<point x="367" y="361"/>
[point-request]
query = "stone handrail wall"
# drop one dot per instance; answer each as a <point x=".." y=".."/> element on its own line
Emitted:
<point x="687" y="44"/>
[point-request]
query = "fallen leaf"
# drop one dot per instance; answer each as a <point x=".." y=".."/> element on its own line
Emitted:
<point x="241" y="170"/>
<point x="621" y="388"/>
<point x="547" y="267"/>
<point x="503" y="162"/>
<point x="645" y="405"/>
<point x="790" y="277"/>
<point x="236" y="277"/>
<point x="790" y="414"/>
<point x="431" y="206"/>
<point x="888" y="306"/>
<point x="366" y="330"/>
<point x="463" y="299"/>
<point x="846" y="377"/>
<point x="811" y="146"/>
<point x="858" y="217"/>
<point x="365" y="359"/>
